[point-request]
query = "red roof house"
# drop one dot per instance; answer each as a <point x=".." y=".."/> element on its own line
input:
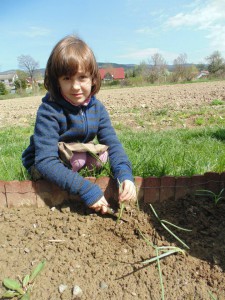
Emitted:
<point x="112" y="73"/>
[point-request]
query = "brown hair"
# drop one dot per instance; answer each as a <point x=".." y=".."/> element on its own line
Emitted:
<point x="65" y="59"/>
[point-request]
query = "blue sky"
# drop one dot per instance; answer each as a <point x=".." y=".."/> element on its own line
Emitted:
<point x="118" y="31"/>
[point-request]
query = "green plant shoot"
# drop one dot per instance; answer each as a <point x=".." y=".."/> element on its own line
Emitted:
<point x="162" y="222"/>
<point x="122" y="205"/>
<point x="21" y="290"/>
<point x="207" y="193"/>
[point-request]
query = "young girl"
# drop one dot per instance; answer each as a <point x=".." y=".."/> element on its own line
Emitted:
<point x="71" y="113"/>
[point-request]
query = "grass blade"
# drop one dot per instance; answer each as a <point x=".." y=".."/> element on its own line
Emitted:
<point x="165" y="227"/>
<point x="175" y="236"/>
<point x="160" y="275"/>
<point x="211" y="296"/>
<point x="36" y="271"/>
<point x="148" y="261"/>
<point x="175" y="226"/>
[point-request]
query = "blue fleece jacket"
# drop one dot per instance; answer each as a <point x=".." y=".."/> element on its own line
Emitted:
<point x="62" y="122"/>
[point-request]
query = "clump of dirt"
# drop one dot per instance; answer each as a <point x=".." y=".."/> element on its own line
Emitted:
<point x="103" y="258"/>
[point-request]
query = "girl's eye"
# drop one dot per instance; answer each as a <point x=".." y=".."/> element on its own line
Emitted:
<point x="66" y="78"/>
<point x="84" y="78"/>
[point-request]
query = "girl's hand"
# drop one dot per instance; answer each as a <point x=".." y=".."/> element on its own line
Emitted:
<point x="101" y="205"/>
<point x="128" y="191"/>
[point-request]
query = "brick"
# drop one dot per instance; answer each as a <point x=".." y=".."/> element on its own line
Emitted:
<point x="2" y="186"/>
<point x="198" y="182"/>
<point x="151" y="189"/>
<point x="16" y="186"/>
<point x="213" y="182"/>
<point x="77" y="197"/>
<point x="167" y="189"/>
<point x="20" y="193"/>
<point x="102" y="182"/>
<point x="182" y="189"/>
<point x="112" y="191"/>
<point x="49" y="194"/>
<point x="41" y="202"/>
<point x="222" y="186"/>
<point x="43" y="186"/>
<point x="91" y="179"/>
<point x="21" y="199"/>
<point x="139" y="183"/>
<point x="109" y="188"/>
<point x="3" y="202"/>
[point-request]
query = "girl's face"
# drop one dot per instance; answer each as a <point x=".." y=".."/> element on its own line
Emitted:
<point x="77" y="88"/>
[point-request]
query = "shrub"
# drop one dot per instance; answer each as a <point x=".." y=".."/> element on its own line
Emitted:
<point x="3" y="89"/>
<point x="20" y="84"/>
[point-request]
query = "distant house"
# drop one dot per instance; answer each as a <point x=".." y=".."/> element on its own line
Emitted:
<point x="8" y="79"/>
<point x="30" y="82"/>
<point x="112" y="74"/>
<point x="203" y="73"/>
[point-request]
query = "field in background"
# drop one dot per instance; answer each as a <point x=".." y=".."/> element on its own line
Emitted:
<point x="166" y="130"/>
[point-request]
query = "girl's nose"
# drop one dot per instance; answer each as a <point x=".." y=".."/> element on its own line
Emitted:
<point x="76" y="84"/>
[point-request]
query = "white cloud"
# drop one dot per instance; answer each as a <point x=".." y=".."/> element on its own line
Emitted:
<point x="145" y="54"/>
<point x="37" y="31"/>
<point x="32" y="32"/>
<point x="215" y="35"/>
<point x="145" y="30"/>
<point x="140" y="54"/>
<point x="208" y="17"/>
<point x="202" y="15"/>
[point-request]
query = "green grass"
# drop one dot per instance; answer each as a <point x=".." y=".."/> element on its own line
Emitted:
<point x="13" y="141"/>
<point x="180" y="152"/>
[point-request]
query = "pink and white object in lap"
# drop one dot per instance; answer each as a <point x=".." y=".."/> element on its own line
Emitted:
<point x="81" y="159"/>
<point x="78" y="160"/>
<point x="93" y="162"/>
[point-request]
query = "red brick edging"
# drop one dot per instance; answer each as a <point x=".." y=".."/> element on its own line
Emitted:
<point x="150" y="189"/>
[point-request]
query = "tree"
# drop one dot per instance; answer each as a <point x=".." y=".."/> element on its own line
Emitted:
<point x="3" y="89"/>
<point x="20" y="84"/>
<point x="143" y="69"/>
<point x="158" y="67"/>
<point x="191" y="72"/>
<point x="215" y="62"/>
<point x="180" y="66"/>
<point x="28" y="64"/>
<point x="201" y="66"/>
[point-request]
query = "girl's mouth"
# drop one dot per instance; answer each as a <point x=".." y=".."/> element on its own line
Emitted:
<point x="77" y="95"/>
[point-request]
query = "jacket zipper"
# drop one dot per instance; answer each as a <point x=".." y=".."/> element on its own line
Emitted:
<point x="84" y="117"/>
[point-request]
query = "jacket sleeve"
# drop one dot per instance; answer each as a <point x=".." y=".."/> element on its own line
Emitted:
<point x="47" y="162"/>
<point x="120" y="164"/>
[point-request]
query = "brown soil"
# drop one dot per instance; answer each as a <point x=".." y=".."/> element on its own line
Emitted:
<point x="104" y="259"/>
<point x="129" y="106"/>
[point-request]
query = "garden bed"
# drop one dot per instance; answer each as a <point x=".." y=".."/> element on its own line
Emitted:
<point x="104" y="258"/>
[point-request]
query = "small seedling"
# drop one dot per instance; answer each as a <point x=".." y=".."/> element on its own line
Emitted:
<point x="122" y="205"/>
<point x="163" y="222"/>
<point x="22" y="290"/>
<point x="211" y="296"/>
<point x="207" y="193"/>
<point x="166" y="251"/>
